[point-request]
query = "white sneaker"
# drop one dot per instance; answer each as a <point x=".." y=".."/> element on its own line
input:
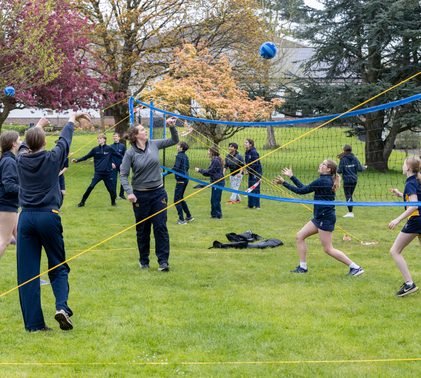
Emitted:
<point x="349" y="215"/>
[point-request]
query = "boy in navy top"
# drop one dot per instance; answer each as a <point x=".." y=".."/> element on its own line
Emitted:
<point x="102" y="155"/>
<point x="324" y="220"/>
<point x="116" y="163"/>
<point x="412" y="229"/>
<point x="181" y="165"/>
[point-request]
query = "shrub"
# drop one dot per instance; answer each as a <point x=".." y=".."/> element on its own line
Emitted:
<point x="19" y="128"/>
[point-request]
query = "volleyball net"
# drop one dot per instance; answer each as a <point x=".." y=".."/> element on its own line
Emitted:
<point x="307" y="152"/>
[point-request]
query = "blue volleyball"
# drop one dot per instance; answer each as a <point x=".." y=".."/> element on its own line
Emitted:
<point x="9" y="91"/>
<point x="268" y="50"/>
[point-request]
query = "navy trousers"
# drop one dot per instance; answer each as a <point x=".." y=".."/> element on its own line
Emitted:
<point x="253" y="178"/>
<point x="108" y="181"/>
<point x="180" y="188"/>
<point x="349" y="188"/>
<point x="148" y="203"/>
<point x="216" y="211"/>
<point x="37" y="229"/>
<point x="115" y="172"/>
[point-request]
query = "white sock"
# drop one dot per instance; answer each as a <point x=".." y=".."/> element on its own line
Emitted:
<point x="409" y="283"/>
<point x="353" y="266"/>
<point x="303" y="265"/>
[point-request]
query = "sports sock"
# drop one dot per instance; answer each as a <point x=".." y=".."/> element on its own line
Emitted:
<point x="353" y="266"/>
<point x="409" y="283"/>
<point x="303" y="265"/>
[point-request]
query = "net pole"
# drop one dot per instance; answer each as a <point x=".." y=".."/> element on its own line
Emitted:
<point x="151" y="121"/>
<point x="164" y="136"/>
<point x="131" y="112"/>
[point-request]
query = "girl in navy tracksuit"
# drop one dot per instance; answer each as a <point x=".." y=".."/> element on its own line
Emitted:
<point x="412" y="229"/>
<point x="324" y="220"/>
<point x="254" y="171"/>
<point x="349" y="165"/>
<point x="215" y="171"/>
<point x="40" y="224"/>
<point x="9" y="188"/>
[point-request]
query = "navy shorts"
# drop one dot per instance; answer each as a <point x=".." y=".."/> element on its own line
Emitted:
<point x="413" y="226"/>
<point x="325" y="224"/>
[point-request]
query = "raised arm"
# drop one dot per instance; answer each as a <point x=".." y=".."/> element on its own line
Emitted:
<point x="164" y="143"/>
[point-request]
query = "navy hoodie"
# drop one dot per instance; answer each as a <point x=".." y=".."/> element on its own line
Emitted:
<point x="322" y="188"/>
<point x="38" y="174"/>
<point x="181" y="165"/>
<point x="121" y="149"/>
<point x="349" y="166"/>
<point x="102" y="158"/>
<point x="252" y="155"/>
<point x="215" y="171"/>
<point x="9" y="181"/>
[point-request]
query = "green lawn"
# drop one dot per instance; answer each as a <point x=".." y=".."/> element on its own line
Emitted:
<point x="220" y="313"/>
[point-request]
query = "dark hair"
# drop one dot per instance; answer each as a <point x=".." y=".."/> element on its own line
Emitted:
<point x="214" y="151"/>
<point x="414" y="163"/>
<point x="235" y="145"/>
<point x="131" y="136"/>
<point x="184" y="145"/>
<point x="251" y="141"/>
<point x="35" y="138"/>
<point x="333" y="171"/>
<point x="347" y="151"/>
<point x="56" y="141"/>
<point x="6" y="141"/>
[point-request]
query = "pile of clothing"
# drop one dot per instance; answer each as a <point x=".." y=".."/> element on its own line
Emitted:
<point x="245" y="240"/>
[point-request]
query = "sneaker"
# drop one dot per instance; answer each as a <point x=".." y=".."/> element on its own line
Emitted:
<point x="189" y="219"/>
<point x="349" y="215"/>
<point x="122" y="197"/>
<point x="13" y="240"/>
<point x="43" y="329"/>
<point x="249" y="207"/>
<point x="143" y="266"/>
<point x="64" y="320"/>
<point x="355" y="271"/>
<point x="407" y="289"/>
<point x="81" y="204"/>
<point x="258" y="208"/>
<point x="114" y="204"/>
<point x="164" y="267"/>
<point x="238" y="201"/>
<point x="181" y="222"/>
<point x="43" y="282"/>
<point x="299" y="270"/>
<point x="229" y="203"/>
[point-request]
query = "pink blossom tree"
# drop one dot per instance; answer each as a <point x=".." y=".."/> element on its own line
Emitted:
<point x="43" y="55"/>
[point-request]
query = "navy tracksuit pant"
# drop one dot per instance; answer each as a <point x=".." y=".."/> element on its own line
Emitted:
<point x="148" y="203"/>
<point x="349" y="188"/>
<point x="180" y="188"/>
<point x="108" y="181"/>
<point x="37" y="229"/>
<point x="115" y="171"/>
<point x="254" y="201"/>
<point x="216" y="211"/>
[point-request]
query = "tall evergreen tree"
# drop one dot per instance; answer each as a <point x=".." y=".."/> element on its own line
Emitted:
<point x="363" y="47"/>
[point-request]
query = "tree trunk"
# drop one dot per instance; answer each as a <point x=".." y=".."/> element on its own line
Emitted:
<point x="121" y="119"/>
<point x="374" y="145"/>
<point x="271" y="136"/>
<point x="5" y="113"/>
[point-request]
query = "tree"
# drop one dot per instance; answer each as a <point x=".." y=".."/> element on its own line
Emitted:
<point x="42" y="56"/>
<point x="136" y="38"/>
<point x="363" y="47"/>
<point x="200" y="86"/>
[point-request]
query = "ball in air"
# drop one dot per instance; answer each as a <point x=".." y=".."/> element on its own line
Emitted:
<point x="9" y="91"/>
<point x="267" y="50"/>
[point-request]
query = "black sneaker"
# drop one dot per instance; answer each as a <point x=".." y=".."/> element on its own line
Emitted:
<point x="122" y="197"/>
<point x="181" y="222"/>
<point x="164" y="267"/>
<point x="81" y="204"/>
<point x="43" y="329"/>
<point x="189" y="219"/>
<point x="407" y="289"/>
<point x="143" y="266"/>
<point x="299" y="270"/>
<point x="114" y="204"/>
<point x="64" y="320"/>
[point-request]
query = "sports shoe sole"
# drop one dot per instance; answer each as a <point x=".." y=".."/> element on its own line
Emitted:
<point x="166" y="269"/>
<point x="65" y="324"/>
<point x="408" y="292"/>
<point x="358" y="273"/>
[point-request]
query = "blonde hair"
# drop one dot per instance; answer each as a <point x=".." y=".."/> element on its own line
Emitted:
<point x="333" y="171"/>
<point x="414" y="164"/>
<point x="103" y="136"/>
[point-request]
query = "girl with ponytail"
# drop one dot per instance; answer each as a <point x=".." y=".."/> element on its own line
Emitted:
<point x="412" y="229"/>
<point x="324" y="220"/>
<point x="9" y="188"/>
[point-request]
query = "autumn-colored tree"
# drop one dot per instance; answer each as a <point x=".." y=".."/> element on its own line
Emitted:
<point x="136" y="38"/>
<point x="201" y="86"/>
<point x="42" y="55"/>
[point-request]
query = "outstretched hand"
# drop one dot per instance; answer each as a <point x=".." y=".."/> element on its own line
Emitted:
<point x="78" y="117"/>
<point x="74" y="161"/>
<point x="395" y="192"/>
<point x="288" y="172"/>
<point x="43" y="122"/>
<point x="278" y="181"/>
<point x="394" y="223"/>
<point x="171" y="121"/>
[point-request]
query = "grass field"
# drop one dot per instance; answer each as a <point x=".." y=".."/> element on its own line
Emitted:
<point x="217" y="313"/>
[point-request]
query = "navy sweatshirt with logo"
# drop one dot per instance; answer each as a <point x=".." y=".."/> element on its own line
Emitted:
<point x="103" y="156"/>
<point x="38" y="174"/>
<point x="349" y="166"/>
<point x="121" y="149"/>
<point x="9" y="181"/>
<point x="322" y="188"/>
